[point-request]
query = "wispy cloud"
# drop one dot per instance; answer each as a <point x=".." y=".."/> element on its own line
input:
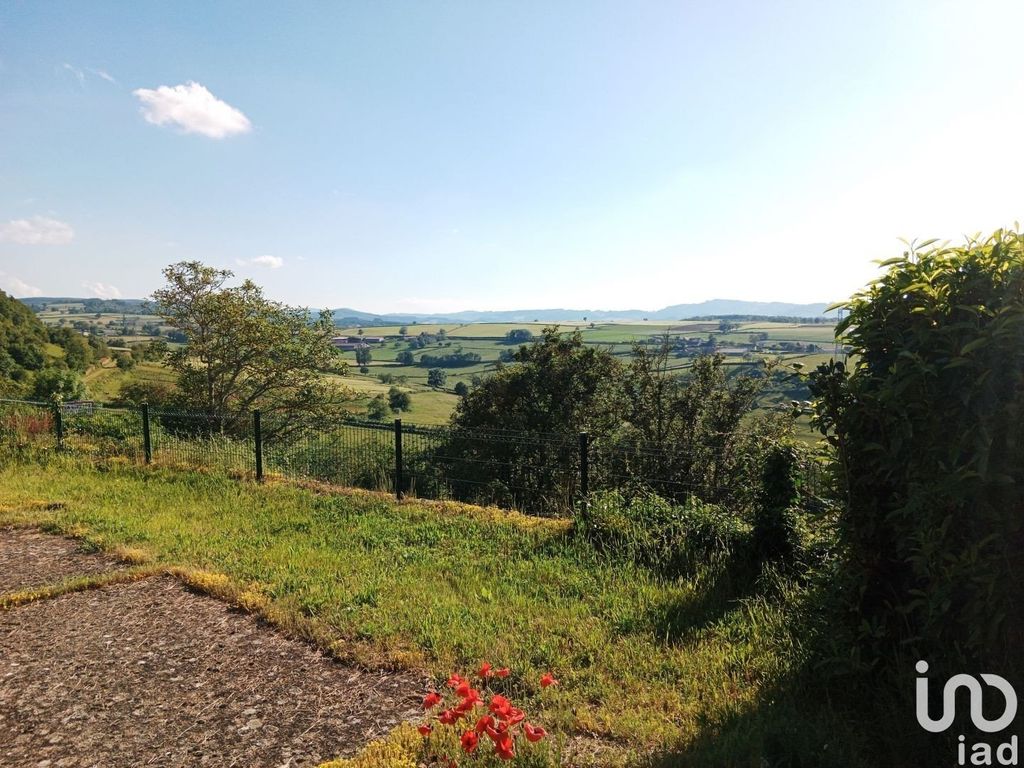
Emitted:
<point x="79" y="74"/>
<point x="39" y="230"/>
<point x="103" y="290"/>
<point x="17" y="287"/>
<point x="104" y="75"/>
<point x="270" y="262"/>
<point x="192" y="109"/>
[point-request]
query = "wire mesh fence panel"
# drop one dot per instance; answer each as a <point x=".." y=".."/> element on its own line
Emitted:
<point x="101" y="432"/>
<point x="674" y="472"/>
<point x="820" y="479"/>
<point x="536" y="473"/>
<point x="616" y="467"/>
<point x="195" y="439"/>
<point x="726" y="473"/>
<point x="359" y="454"/>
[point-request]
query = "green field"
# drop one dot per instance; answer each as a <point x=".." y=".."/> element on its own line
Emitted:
<point x="127" y="326"/>
<point x="460" y="330"/>
<point x="104" y="382"/>
<point x="433" y="406"/>
<point x="429" y="406"/>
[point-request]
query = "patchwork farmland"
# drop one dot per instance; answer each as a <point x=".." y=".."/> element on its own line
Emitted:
<point x="743" y="344"/>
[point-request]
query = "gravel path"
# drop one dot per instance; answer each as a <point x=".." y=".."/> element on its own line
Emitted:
<point x="150" y="673"/>
<point x="29" y="558"/>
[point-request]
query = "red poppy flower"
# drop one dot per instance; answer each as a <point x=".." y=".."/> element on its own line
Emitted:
<point x="467" y="704"/>
<point x="424" y="729"/>
<point x="469" y="741"/>
<point x="485" y="669"/>
<point x="547" y="680"/>
<point x="462" y="689"/>
<point x="503" y="673"/>
<point x="431" y="700"/>
<point x="497" y="734"/>
<point x="514" y="716"/>
<point x="534" y="734"/>
<point x="454" y="680"/>
<point x="484" y="723"/>
<point x="505" y="749"/>
<point x="448" y="717"/>
<point x="499" y="704"/>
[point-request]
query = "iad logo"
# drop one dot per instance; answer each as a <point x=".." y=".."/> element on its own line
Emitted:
<point x="981" y="753"/>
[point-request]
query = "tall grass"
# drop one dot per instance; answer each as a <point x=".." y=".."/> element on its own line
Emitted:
<point x="647" y="663"/>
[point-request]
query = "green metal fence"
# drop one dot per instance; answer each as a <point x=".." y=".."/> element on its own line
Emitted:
<point x="535" y="472"/>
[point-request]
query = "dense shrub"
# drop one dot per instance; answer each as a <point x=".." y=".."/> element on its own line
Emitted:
<point x="154" y="393"/>
<point x="103" y="431"/>
<point x="57" y="384"/>
<point x="399" y="400"/>
<point x="452" y="360"/>
<point x="672" y="539"/>
<point x="927" y="423"/>
<point x="777" y="513"/>
<point x="24" y="426"/>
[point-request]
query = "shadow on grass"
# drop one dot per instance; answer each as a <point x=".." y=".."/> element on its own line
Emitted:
<point x="718" y="590"/>
<point x="815" y="712"/>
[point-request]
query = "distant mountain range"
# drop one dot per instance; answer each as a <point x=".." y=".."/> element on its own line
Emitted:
<point x="711" y="308"/>
<point x="347" y="316"/>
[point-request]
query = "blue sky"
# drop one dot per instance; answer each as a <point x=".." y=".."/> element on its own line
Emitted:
<point x="437" y="156"/>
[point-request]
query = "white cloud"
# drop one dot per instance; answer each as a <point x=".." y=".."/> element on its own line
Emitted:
<point x="17" y="287"/>
<point x="102" y="290"/>
<point x="39" y="230"/>
<point x="193" y="109"/>
<point x="103" y="74"/>
<point x="270" y="262"/>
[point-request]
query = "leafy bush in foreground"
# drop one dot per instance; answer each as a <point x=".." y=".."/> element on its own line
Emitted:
<point x="928" y="426"/>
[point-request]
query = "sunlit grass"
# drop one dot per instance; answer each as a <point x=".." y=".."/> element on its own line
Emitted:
<point x="643" y="662"/>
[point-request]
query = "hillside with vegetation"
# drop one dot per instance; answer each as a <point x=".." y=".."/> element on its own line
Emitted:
<point x="41" y="363"/>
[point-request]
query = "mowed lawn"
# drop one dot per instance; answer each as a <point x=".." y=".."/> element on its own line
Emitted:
<point x="642" y="662"/>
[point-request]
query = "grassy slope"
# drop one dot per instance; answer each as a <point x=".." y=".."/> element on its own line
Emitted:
<point x="641" y="661"/>
<point x="103" y="383"/>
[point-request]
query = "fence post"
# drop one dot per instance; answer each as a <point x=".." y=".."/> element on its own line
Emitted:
<point x="58" y="425"/>
<point x="147" y="445"/>
<point x="398" y="459"/>
<point x="257" y="433"/>
<point x="584" y="471"/>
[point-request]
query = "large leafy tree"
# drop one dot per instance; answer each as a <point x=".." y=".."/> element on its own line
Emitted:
<point x="245" y="352"/>
<point x="694" y="433"/>
<point x="560" y="385"/>
<point x="514" y="436"/>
